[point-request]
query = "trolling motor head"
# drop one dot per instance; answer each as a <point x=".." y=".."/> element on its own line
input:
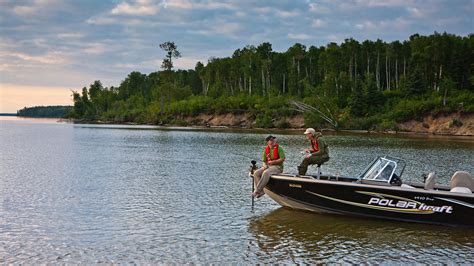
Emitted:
<point x="253" y="167"/>
<point x="424" y="176"/>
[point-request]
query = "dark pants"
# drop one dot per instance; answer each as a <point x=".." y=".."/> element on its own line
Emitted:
<point x="313" y="159"/>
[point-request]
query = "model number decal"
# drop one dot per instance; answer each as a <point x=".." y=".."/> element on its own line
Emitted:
<point x="423" y="198"/>
<point x="295" y="185"/>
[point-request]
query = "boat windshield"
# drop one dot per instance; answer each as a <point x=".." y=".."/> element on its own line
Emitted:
<point x="382" y="169"/>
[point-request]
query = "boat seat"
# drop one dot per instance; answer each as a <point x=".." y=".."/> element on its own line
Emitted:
<point x="461" y="179"/>
<point x="318" y="169"/>
<point x="461" y="190"/>
<point x="430" y="181"/>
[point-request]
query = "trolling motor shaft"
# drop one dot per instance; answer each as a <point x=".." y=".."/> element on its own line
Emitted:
<point x="252" y="169"/>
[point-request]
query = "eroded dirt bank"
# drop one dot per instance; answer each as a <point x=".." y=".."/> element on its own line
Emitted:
<point x="453" y="124"/>
<point x="237" y="120"/>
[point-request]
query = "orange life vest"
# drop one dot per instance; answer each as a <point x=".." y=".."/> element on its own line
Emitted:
<point x="314" y="145"/>
<point x="275" y="152"/>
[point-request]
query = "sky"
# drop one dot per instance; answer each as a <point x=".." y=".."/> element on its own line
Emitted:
<point x="50" y="47"/>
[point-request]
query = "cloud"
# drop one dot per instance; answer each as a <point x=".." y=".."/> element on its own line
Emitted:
<point x="38" y="8"/>
<point x="397" y="24"/>
<point x="138" y="8"/>
<point x="351" y="5"/>
<point x="70" y="35"/>
<point x="287" y="14"/>
<point x="318" y="23"/>
<point x="299" y="36"/>
<point x="102" y="21"/>
<point x="415" y="12"/>
<point x="384" y="3"/>
<point x="95" y="48"/>
<point x="205" y="5"/>
<point x="318" y="8"/>
<point x="222" y="28"/>
<point x="49" y="58"/>
<point x="24" y="10"/>
<point x="107" y="20"/>
<point x="187" y="62"/>
<point x="334" y="38"/>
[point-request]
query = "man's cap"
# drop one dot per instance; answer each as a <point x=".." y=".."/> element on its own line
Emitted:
<point x="310" y="130"/>
<point x="313" y="132"/>
<point x="269" y="138"/>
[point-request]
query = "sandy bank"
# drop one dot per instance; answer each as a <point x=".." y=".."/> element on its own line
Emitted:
<point x="453" y="124"/>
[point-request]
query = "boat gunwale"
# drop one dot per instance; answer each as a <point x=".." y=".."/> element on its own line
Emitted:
<point x="384" y="187"/>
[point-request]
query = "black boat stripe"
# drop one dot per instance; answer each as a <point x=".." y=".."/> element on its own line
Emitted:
<point x="457" y="202"/>
<point x="410" y="211"/>
<point x="431" y="193"/>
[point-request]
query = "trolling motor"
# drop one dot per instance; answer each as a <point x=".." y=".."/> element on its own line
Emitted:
<point x="252" y="169"/>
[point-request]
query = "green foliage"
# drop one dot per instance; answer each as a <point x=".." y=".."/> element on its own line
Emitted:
<point x="263" y="121"/>
<point x="413" y="108"/>
<point x="364" y="123"/>
<point x="171" y="50"/>
<point x="463" y="101"/>
<point x="282" y="123"/>
<point x="178" y="122"/>
<point x="368" y="85"/>
<point x="57" y="111"/>
<point x="456" y="123"/>
<point x="358" y="102"/>
<point x="387" y="124"/>
<point x="314" y="121"/>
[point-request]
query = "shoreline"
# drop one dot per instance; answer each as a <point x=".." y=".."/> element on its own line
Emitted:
<point x="269" y="130"/>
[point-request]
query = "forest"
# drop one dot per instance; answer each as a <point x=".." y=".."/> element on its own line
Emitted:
<point x="360" y="85"/>
<point x="56" y="111"/>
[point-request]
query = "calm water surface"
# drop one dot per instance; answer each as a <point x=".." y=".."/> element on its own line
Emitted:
<point x="91" y="194"/>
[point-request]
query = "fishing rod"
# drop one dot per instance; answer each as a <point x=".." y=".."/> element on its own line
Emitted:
<point x="306" y="108"/>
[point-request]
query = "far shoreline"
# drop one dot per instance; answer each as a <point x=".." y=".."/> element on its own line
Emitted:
<point x="289" y="131"/>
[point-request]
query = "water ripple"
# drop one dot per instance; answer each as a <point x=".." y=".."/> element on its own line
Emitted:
<point x="109" y="195"/>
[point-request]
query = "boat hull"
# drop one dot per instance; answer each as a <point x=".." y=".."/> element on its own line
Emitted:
<point x="385" y="202"/>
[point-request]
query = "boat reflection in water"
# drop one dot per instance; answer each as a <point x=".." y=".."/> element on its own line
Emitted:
<point x="295" y="236"/>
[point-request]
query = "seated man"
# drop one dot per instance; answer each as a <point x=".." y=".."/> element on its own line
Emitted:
<point x="317" y="154"/>
<point x="273" y="157"/>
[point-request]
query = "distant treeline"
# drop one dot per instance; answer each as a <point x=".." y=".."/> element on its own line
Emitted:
<point x="57" y="111"/>
<point x="373" y="84"/>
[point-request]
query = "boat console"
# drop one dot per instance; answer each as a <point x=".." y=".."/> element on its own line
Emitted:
<point x="383" y="171"/>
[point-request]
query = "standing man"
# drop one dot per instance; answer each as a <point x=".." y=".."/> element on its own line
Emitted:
<point x="317" y="154"/>
<point x="273" y="158"/>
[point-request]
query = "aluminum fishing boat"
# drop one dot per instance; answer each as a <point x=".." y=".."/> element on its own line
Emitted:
<point x="379" y="192"/>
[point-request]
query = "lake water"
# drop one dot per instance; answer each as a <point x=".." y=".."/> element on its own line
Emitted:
<point x="130" y="194"/>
